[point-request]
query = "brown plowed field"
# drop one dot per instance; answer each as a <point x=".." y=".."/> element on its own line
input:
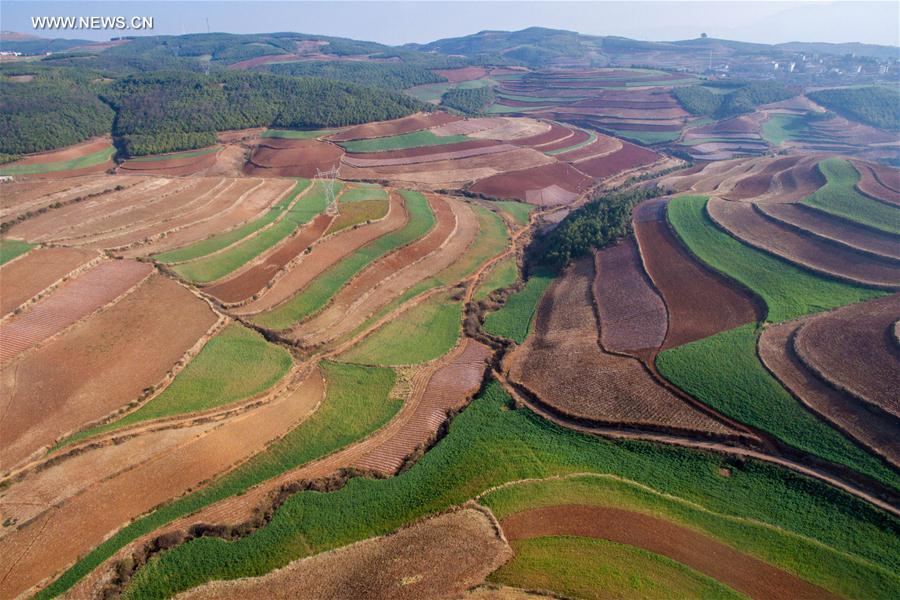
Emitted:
<point x="517" y="184"/>
<point x="743" y="124"/>
<point x="506" y="129"/>
<point x="176" y="167"/>
<point x="83" y="521"/>
<point x="73" y="301"/>
<point x="22" y="279"/>
<point x="420" y="151"/>
<point x="63" y="154"/>
<point x="628" y="157"/>
<point x="742" y="221"/>
<point x="440" y="557"/>
<point x="879" y="181"/>
<point x="632" y="315"/>
<point x="834" y="228"/>
<point x="563" y="365"/>
<point x="875" y="430"/>
<point x="742" y="572"/>
<point x="463" y="74"/>
<point x="248" y="282"/>
<point x="336" y="318"/>
<point x="786" y="179"/>
<point x="118" y="353"/>
<point x="578" y="136"/>
<point x="18" y="198"/>
<point x="408" y="124"/>
<point x="475" y="148"/>
<point x="558" y="132"/>
<point x="326" y="254"/>
<point x="699" y="302"/>
<point x="292" y="158"/>
<point x="448" y="389"/>
<point x="603" y="145"/>
<point x="853" y="349"/>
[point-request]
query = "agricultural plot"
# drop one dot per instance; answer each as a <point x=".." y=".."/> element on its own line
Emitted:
<point x="839" y="197"/>
<point x="36" y="271"/>
<point x="90" y="157"/>
<point x="514" y="320"/>
<point x="412" y="123"/>
<point x="174" y="164"/>
<point x="293" y="134"/>
<point x="879" y="181"/>
<point x="285" y="157"/>
<point x="10" y="249"/>
<point x="503" y="274"/>
<point x="403" y="141"/>
<point x="360" y="205"/>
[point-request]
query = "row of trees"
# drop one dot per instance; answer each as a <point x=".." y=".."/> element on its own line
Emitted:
<point x="875" y="105"/>
<point x="732" y="98"/>
<point x="395" y="76"/>
<point x="471" y="101"/>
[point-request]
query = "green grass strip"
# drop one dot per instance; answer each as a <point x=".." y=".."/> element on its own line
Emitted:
<point x="724" y="372"/>
<point x="326" y="285"/>
<point x="646" y="137"/>
<point x="292" y="134"/>
<point x="519" y="211"/>
<point x="840" y="198"/>
<point x="416" y="139"/>
<point x="491" y="443"/>
<point x="236" y="364"/>
<point x="89" y="160"/>
<point x="219" y="265"/>
<point x="780" y="128"/>
<point x="364" y="193"/>
<point x="513" y="321"/>
<point x="591" y="138"/>
<point x="501" y="275"/>
<point x="175" y="155"/>
<point x="356" y="405"/>
<point x="10" y="249"/>
<point x="787" y="290"/>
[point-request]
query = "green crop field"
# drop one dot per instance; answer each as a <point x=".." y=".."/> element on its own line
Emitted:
<point x="578" y="567"/>
<point x="292" y="134"/>
<point x="422" y="333"/>
<point x="356" y="405"/>
<point x="235" y="365"/>
<point x="432" y="92"/>
<point x="175" y="155"/>
<point x="780" y="128"/>
<point x="787" y="290"/>
<point x="646" y="137"/>
<point x="357" y="212"/>
<point x="519" y="211"/>
<point x="724" y="372"/>
<point x="361" y="193"/>
<point x="592" y="137"/>
<point x="223" y="240"/>
<point x="10" y="249"/>
<point x="416" y="139"/>
<point x="90" y="160"/>
<point x="835" y="540"/>
<point x="502" y="275"/>
<point x="840" y="198"/>
<point x="513" y="321"/>
<point x="318" y="292"/>
<point x="221" y="264"/>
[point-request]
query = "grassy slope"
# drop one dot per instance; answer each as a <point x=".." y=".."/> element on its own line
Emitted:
<point x="295" y="135"/>
<point x="10" y="249"/>
<point x="491" y="443"/>
<point x="513" y="320"/>
<point x="840" y="198"/>
<point x="175" y="155"/>
<point x="780" y="128"/>
<point x="95" y="158"/>
<point x="519" y="211"/>
<point x="415" y="139"/>
<point x="219" y="265"/>
<point x="588" y="568"/>
<point x="357" y="212"/>
<point x="357" y="403"/>
<point x="422" y="333"/>
<point x="318" y="292"/>
<point x="364" y="193"/>
<point x="501" y="275"/>
<point x="236" y="364"/>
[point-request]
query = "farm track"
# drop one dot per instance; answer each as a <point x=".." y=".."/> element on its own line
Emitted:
<point x="38" y="272"/>
<point x="740" y="571"/>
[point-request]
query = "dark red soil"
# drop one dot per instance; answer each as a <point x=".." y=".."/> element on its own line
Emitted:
<point x="879" y="182"/>
<point x="602" y="145"/>
<point x="557" y="132"/>
<point x="21" y="279"/>
<point x="516" y="184"/>
<point x="408" y="124"/>
<point x="424" y="150"/>
<point x="292" y="158"/>
<point x="578" y="137"/>
<point x="175" y="166"/>
<point x="628" y="157"/>
<point x="795" y="178"/>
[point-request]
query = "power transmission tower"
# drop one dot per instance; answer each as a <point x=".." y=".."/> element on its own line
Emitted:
<point x="326" y="179"/>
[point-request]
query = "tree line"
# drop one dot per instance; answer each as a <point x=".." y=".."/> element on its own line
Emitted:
<point x="395" y="76"/>
<point x="473" y="101"/>
<point x="877" y="106"/>
<point x="736" y="98"/>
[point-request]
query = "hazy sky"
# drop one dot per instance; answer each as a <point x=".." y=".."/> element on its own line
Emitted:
<point x="426" y="20"/>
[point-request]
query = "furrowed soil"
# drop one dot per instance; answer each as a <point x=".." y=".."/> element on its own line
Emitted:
<point x="563" y="365"/>
<point x="879" y="182"/>
<point x="278" y="157"/>
<point x="527" y="185"/>
<point x="18" y="197"/>
<point x="21" y="280"/>
<point x="440" y="557"/>
<point x="699" y="302"/>
<point x="118" y="356"/>
<point x="740" y="571"/>
<point x="408" y="124"/>
<point x="628" y="157"/>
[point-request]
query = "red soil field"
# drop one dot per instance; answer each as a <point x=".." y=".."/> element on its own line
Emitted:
<point x="578" y="136"/>
<point x="120" y="352"/>
<point x="853" y="349"/>
<point x="73" y="301"/>
<point x="875" y="430"/>
<point x="440" y="557"/>
<point x="292" y="158"/>
<point x="63" y="154"/>
<point x="422" y="150"/>
<point x="408" y="124"/>
<point x="745" y="223"/>
<point x="447" y="390"/>
<point x="260" y="60"/>
<point x="788" y="179"/>
<point x="478" y="148"/>
<point x="517" y="184"/>
<point x="172" y="167"/>
<point x="740" y="571"/>
<point x="558" y="132"/>
<point x="879" y="182"/>
<point x="326" y="254"/>
<point x="22" y="279"/>
<point x="18" y="198"/>
<point x="463" y="74"/>
<point x="563" y="365"/>
<point x="250" y="281"/>
<point x="742" y="124"/>
<point x="632" y="315"/>
<point x="815" y="222"/>
<point x="700" y="303"/>
<point x="604" y="144"/>
<point x="629" y="157"/>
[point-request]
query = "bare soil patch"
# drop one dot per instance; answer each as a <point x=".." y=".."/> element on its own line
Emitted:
<point x="175" y="166"/>
<point x="22" y="279"/>
<point x="509" y="129"/>
<point x="628" y="157"/>
<point x="602" y="146"/>
<point x="779" y="180"/>
<point x="557" y="133"/>
<point x="292" y="158"/>
<point x="65" y="154"/>
<point x="879" y="181"/>
<point x="18" y="198"/>
<point x="408" y="124"/>
<point x="518" y="184"/>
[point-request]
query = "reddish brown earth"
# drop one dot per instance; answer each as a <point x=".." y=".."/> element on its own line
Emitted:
<point x="447" y="390"/>
<point x="699" y="302"/>
<point x="578" y="136"/>
<point x="563" y="365"/>
<point x="874" y="429"/>
<point x="786" y="179"/>
<point x="632" y="314"/>
<point x="422" y="151"/>
<point x="275" y="157"/>
<point x="745" y="223"/>
<point x="558" y="132"/>
<point x="63" y="154"/>
<point x="604" y="144"/>
<point x="629" y="157"/>
<point x="742" y="124"/>
<point x="821" y="224"/>
<point x="742" y="572"/>
<point x="408" y="124"/>
<point x="440" y="557"/>
<point x="120" y="352"/>
<point x="879" y="182"/>
<point x="260" y="60"/>
<point x="518" y="184"/>
<point x="25" y="277"/>
<point x="69" y="303"/>
<point x="249" y="282"/>
<point x="477" y="149"/>
<point x="463" y="74"/>
<point x="853" y="349"/>
<point x="172" y="167"/>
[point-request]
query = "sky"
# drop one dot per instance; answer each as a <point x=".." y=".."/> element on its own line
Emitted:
<point x="422" y="21"/>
